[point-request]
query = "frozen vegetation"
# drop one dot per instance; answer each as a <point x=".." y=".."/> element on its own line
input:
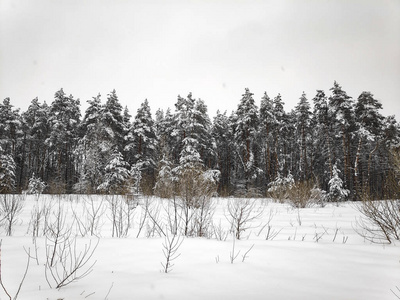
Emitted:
<point x="114" y="247"/>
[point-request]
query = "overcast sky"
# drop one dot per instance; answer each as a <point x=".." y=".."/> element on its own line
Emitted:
<point x="214" y="49"/>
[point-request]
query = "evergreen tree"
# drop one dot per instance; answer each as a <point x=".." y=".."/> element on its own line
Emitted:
<point x="303" y="133"/>
<point x="64" y="118"/>
<point x="35" y="120"/>
<point x="245" y="135"/>
<point x="144" y="145"/>
<point x="202" y="133"/>
<point x="267" y="121"/>
<point x="7" y="173"/>
<point x="342" y="116"/>
<point x="113" y="121"/>
<point x="93" y="148"/>
<point x="336" y="190"/>
<point x="369" y="123"/>
<point x="322" y="155"/>
<point x="223" y="136"/>
<point x="117" y="175"/>
<point x="278" y="133"/>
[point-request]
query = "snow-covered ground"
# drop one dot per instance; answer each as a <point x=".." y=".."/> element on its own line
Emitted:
<point x="315" y="253"/>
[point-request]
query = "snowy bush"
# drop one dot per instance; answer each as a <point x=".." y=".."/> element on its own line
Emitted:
<point x="7" y="173"/>
<point x="303" y="194"/>
<point x="278" y="189"/>
<point x="35" y="185"/>
<point x="337" y="192"/>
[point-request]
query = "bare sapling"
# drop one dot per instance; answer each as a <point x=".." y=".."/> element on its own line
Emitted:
<point x="380" y="220"/>
<point x="241" y="213"/>
<point x="22" y="280"/>
<point x="154" y="223"/>
<point x="58" y="234"/>
<point x="245" y="255"/>
<point x="150" y="218"/>
<point x="120" y="216"/>
<point x="219" y="232"/>
<point x="72" y="263"/>
<point x="93" y="210"/>
<point x="10" y="207"/>
<point x="170" y="249"/>
<point x="233" y="254"/>
<point x="203" y="216"/>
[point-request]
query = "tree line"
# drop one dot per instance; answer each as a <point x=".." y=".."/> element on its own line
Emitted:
<point x="108" y="151"/>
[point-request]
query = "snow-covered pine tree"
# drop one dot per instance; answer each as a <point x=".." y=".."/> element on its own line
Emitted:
<point x="279" y="134"/>
<point x="322" y="155"/>
<point x="113" y="121"/>
<point x="117" y="175"/>
<point x="369" y="131"/>
<point x="202" y="133"/>
<point x="342" y="115"/>
<point x="7" y="173"/>
<point x="267" y="121"/>
<point x="245" y="136"/>
<point x="9" y="124"/>
<point x="183" y="125"/>
<point x="93" y="149"/>
<point x="223" y="136"/>
<point x="143" y="146"/>
<point x="337" y="192"/>
<point x="64" y="118"/>
<point x="303" y="133"/>
<point x="35" y="119"/>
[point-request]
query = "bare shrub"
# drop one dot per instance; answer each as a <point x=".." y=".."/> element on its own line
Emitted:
<point x="69" y="263"/>
<point x="120" y="215"/>
<point x="219" y="232"/>
<point x="170" y="249"/>
<point x="10" y="207"/>
<point x="65" y="261"/>
<point x="241" y="212"/>
<point x="278" y="189"/>
<point x="195" y="190"/>
<point x="304" y="194"/>
<point x="39" y="217"/>
<point x="22" y="280"/>
<point x="380" y="220"/>
<point x="89" y="221"/>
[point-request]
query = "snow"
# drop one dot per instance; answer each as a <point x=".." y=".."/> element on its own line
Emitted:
<point x="293" y="265"/>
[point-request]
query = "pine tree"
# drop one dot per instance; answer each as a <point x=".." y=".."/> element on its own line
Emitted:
<point x="369" y="123"/>
<point x="117" y="175"/>
<point x="223" y="136"/>
<point x="303" y="132"/>
<point x="113" y="121"/>
<point x="267" y="121"/>
<point x="336" y="190"/>
<point x="245" y="135"/>
<point x="342" y="115"/>
<point x="7" y="173"/>
<point x="144" y="145"/>
<point x="64" y="120"/>
<point x="278" y="132"/>
<point x="35" y="119"/>
<point x="202" y="133"/>
<point x="322" y="155"/>
<point x="93" y="148"/>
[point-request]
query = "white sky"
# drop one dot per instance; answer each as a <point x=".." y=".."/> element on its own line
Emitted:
<point x="214" y="49"/>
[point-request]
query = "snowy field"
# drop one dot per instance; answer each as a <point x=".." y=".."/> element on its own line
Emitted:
<point x="284" y="253"/>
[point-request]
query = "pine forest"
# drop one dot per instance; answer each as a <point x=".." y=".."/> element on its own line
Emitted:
<point x="330" y="142"/>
